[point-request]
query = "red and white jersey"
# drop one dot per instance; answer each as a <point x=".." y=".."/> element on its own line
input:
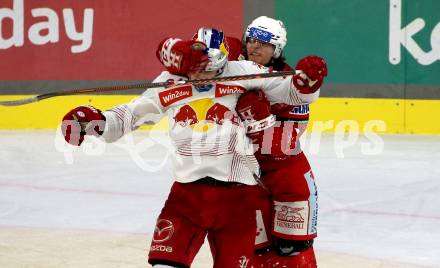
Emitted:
<point x="208" y="136"/>
<point x="296" y="114"/>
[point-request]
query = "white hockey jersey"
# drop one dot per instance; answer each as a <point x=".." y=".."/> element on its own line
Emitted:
<point x="208" y="136"/>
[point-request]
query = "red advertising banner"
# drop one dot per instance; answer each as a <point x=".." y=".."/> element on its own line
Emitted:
<point x="100" y="39"/>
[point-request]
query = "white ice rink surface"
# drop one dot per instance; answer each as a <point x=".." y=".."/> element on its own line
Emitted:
<point x="96" y="206"/>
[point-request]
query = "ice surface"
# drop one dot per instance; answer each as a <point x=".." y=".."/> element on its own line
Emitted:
<point x="380" y="205"/>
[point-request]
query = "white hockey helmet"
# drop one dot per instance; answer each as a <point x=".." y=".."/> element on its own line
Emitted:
<point x="217" y="60"/>
<point x="268" y="30"/>
<point x="217" y="47"/>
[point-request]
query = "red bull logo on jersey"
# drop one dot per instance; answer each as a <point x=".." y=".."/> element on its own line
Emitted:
<point x="204" y="114"/>
<point x="171" y="96"/>
<point x="186" y="116"/>
<point x="223" y="90"/>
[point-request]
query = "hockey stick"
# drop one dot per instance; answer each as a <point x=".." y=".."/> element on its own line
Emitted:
<point x="143" y="85"/>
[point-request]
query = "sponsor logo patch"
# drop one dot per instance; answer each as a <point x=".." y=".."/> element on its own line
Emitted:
<point x="292" y="218"/>
<point x="163" y="231"/>
<point x="171" y="96"/>
<point x="223" y="90"/>
<point x="260" y="34"/>
<point x="161" y="248"/>
<point x="300" y="109"/>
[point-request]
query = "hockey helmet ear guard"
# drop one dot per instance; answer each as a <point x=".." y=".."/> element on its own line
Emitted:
<point x="217" y="60"/>
<point x="270" y="31"/>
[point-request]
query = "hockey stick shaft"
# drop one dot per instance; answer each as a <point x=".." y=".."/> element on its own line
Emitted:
<point x="142" y="86"/>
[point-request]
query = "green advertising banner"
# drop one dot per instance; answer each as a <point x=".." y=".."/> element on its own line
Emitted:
<point x="379" y="48"/>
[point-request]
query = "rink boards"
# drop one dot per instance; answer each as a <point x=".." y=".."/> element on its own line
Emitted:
<point x="383" y="56"/>
<point x="327" y="114"/>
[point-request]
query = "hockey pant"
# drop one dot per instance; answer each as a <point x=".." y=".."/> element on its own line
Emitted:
<point x="223" y="213"/>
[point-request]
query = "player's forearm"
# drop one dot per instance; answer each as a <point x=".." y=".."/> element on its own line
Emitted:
<point x="119" y="121"/>
<point x="125" y="118"/>
<point x="305" y="98"/>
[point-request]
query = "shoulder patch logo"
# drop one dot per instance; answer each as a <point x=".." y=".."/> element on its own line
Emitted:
<point x="223" y="90"/>
<point x="171" y="96"/>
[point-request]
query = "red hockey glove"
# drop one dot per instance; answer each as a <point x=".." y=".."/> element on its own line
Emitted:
<point x="81" y="121"/>
<point x="254" y="109"/>
<point x="311" y="72"/>
<point x="234" y="48"/>
<point x="182" y="57"/>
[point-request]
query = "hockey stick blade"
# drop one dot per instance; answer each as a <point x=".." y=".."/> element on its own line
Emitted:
<point x="143" y="86"/>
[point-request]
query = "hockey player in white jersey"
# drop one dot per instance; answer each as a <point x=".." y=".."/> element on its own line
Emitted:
<point x="285" y="171"/>
<point x="214" y="190"/>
